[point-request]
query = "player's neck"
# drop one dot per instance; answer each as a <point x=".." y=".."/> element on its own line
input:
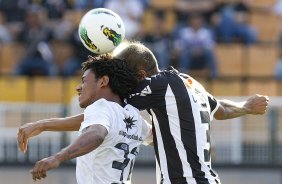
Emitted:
<point x="115" y="99"/>
<point x="112" y="97"/>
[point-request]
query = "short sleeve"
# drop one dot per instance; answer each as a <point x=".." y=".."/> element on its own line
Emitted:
<point x="214" y="104"/>
<point x="98" y="113"/>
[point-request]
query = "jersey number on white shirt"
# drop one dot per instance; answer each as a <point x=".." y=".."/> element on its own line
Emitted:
<point x="122" y="165"/>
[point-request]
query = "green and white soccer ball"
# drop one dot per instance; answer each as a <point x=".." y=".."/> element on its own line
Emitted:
<point x="101" y="30"/>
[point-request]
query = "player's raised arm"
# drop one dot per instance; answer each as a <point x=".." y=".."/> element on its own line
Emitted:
<point x="90" y="139"/>
<point x="256" y="104"/>
<point x="32" y="129"/>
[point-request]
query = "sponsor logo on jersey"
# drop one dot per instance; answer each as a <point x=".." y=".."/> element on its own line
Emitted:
<point x="129" y="123"/>
<point x="146" y="91"/>
<point x="188" y="83"/>
<point x="130" y="136"/>
<point x="194" y="99"/>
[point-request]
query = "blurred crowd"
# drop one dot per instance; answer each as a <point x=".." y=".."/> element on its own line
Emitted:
<point x="183" y="34"/>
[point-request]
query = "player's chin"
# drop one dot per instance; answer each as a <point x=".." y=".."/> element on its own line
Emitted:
<point x="82" y="105"/>
<point x="81" y="102"/>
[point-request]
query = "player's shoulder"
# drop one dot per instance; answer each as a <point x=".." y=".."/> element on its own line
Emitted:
<point x="101" y="101"/>
<point x="131" y="109"/>
<point x="193" y="82"/>
<point x="169" y="71"/>
<point x="197" y="83"/>
<point x="133" y="113"/>
<point x="99" y="104"/>
<point x="157" y="82"/>
<point x="165" y="75"/>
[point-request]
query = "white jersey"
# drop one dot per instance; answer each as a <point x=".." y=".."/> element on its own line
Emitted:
<point x="113" y="160"/>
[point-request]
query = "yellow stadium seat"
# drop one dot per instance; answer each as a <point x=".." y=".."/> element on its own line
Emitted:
<point x="267" y="26"/>
<point x="10" y="55"/>
<point x="147" y="23"/>
<point x="14" y="89"/>
<point x="279" y="88"/>
<point x="170" y="21"/>
<point x="70" y="88"/>
<point x="261" y="60"/>
<point x="46" y="90"/>
<point x="226" y="87"/>
<point x="264" y="3"/>
<point x="230" y="59"/>
<point x="161" y="4"/>
<point x="261" y="86"/>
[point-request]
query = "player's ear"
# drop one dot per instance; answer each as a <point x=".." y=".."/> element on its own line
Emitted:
<point x="104" y="81"/>
<point x="142" y="74"/>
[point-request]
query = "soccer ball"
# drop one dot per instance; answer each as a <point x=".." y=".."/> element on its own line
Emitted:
<point x="101" y="30"/>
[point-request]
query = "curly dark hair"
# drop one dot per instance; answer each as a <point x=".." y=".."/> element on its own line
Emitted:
<point x="122" y="79"/>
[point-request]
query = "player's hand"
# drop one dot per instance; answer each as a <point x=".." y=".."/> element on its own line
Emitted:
<point x="27" y="131"/>
<point x="257" y="104"/>
<point x="41" y="167"/>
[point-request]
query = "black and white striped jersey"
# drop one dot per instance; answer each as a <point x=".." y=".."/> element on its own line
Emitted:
<point x="181" y="111"/>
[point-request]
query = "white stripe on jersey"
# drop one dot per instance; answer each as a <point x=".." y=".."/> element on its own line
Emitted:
<point x="201" y="135"/>
<point x="158" y="172"/>
<point x="161" y="150"/>
<point x="200" y="131"/>
<point x="175" y="131"/>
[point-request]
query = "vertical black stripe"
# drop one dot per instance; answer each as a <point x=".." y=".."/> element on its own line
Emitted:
<point x="188" y="131"/>
<point x="174" y="165"/>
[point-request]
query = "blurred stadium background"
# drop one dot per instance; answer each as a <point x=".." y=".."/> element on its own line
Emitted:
<point x="246" y="150"/>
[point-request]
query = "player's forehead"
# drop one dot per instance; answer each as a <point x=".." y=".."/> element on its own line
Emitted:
<point x="88" y="74"/>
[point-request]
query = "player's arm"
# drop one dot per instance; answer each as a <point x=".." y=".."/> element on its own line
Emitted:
<point x="256" y="104"/>
<point x="32" y="129"/>
<point x="91" y="138"/>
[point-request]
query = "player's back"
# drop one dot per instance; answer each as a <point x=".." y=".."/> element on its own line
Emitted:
<point x="113" y="160"/>
<point x="181" y="111"/>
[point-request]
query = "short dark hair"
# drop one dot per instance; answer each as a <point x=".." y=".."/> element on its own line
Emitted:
<point x="122" y="79"/>
<point x="137" y="56"/>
